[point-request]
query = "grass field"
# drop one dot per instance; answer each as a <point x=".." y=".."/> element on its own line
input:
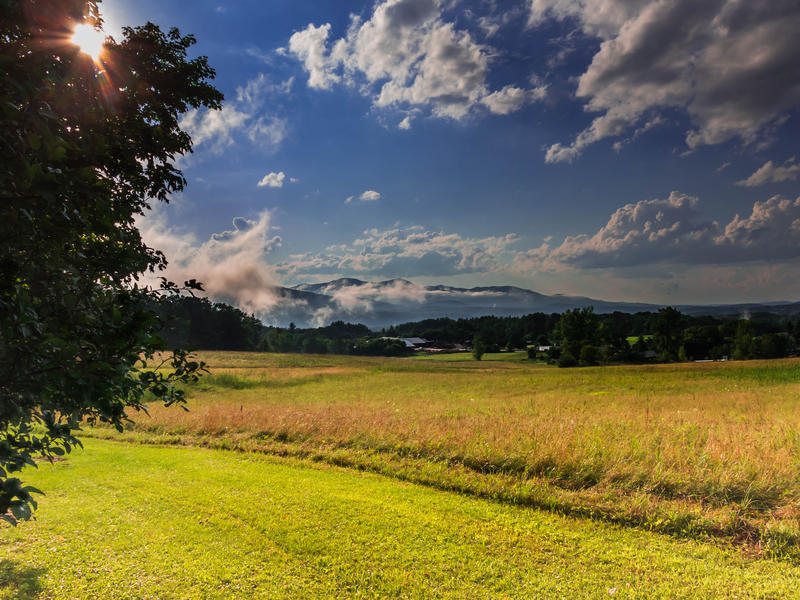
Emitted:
<point x="694" y="450"/>
<point x="132" y="521"/>
<point x="517" y="356"/>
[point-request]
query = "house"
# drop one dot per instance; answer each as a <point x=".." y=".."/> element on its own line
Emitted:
<point x="648" y="355"/>
<point x="415" y="342"/>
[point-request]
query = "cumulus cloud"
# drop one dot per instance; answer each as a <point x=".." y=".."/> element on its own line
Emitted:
<point x="723" y="62"/>
<point x="370" y="196"/>
<point x="510" y="99"/>
<point x="366" y="196"/>
<point x="215" y="128"/>
<point x="406" y="54"/>
<point x="404" y="252"/>
<point x="273" y="180"/>
<point x="673" y="231"/>
<point x="770" y="173"/>
<point x="245" y="116"/>
<point x="230" y="264"/>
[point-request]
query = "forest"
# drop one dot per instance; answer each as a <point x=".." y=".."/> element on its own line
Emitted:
<point x="575" y="337"/>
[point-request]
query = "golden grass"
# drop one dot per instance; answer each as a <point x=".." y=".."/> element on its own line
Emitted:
<point x="706" y="448"/>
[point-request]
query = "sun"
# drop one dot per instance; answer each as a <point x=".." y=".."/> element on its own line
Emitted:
<point x="89" y="40"/>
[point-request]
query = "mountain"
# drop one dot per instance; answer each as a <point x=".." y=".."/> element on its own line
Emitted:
<point x="383" y="303"/>
<point x="330" y="286"/>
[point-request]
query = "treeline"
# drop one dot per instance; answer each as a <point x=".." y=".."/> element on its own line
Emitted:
<point x="576" y="337"/>
<point x="190" y="322"/>
<point x="585" y="338"/>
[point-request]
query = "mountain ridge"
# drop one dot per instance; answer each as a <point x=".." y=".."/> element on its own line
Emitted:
<point x="389" y="302"/>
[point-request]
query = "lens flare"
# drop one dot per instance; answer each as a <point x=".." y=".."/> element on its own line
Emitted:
<point x="89" y="40"/>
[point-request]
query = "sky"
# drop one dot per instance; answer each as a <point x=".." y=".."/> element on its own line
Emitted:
<point x="637" y="150"/>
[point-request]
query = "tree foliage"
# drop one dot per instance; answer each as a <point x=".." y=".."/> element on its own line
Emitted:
<point x="85" y="148"/>
<point x="478" y="347"/>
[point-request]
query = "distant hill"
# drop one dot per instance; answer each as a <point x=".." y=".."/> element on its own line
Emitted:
<point x="382" y="303"/>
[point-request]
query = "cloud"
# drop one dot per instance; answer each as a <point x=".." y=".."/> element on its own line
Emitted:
<point x="405" y="124"/>
<point x="268" y="132"/>
<point x="673" y="232"/>
<point x="273" y="180"/>
<point x="770" y="173"/>
<point x="370" y="196"/>
<point x="366" y="196"/>
<point x="510" y="99"/>
<point x="360" y="297"/>
<point x="723" y="62"/>
<point x="243" y="117"/>
<point x="406" y="55"/>
<point x="309" y="46"/>
<point x="404" y="252"/>
<point x="231" y="264"/>
<point x="645" y="232"/>
<point x="215" y="128"/>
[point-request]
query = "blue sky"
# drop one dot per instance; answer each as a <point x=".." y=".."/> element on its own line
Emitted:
<point x="638" y="150"/>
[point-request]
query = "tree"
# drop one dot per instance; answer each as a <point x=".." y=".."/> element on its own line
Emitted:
<point x="667" y="333"/>
<point x="577" y="328"/>
<point x="478" y="347"/>
<point x="85" y="148"/>
<point x="743" y="342"/>
<point x="589" y="356"/>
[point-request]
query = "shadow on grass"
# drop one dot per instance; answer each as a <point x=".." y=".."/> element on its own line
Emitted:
<point x="20" y="582"/>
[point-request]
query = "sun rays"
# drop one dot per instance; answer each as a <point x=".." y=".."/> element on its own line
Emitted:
<point x="89" y="40"/>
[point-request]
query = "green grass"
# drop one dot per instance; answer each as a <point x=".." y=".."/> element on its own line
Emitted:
<point x="467" y="356"/>
<point x="127" y="521"/>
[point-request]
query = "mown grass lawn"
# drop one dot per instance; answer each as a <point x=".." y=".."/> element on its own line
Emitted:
<point x="132" y="521"/>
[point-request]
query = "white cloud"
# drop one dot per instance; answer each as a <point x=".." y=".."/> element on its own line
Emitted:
<point x="231" y="265"/>
<point x="723" y="62"/>
<point x="245" y="116"/>
<point x="405" y="124"/>
<point x="214" y="127"/>
<point x="268" y="132"/>
<point x="770" y="173"/>
<point x="673" y="232"/>
<point x="309" y="46"/>
<point x="510" y="99"/>
<point x="366" y="196"/>
<point x="370" y="196"/>
<point x="273" y="180"/>
<point x="405" y="252"/>
<point x="404" y="55"/>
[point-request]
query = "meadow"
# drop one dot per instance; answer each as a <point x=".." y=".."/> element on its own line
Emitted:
<point x="131" y="521"/>
<point x="708" y="451"/>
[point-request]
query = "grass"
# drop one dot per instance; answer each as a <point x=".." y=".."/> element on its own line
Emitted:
<point x="467" y="356"/>
<point x="127" y="521"/>
<point x="706" y="450"/>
